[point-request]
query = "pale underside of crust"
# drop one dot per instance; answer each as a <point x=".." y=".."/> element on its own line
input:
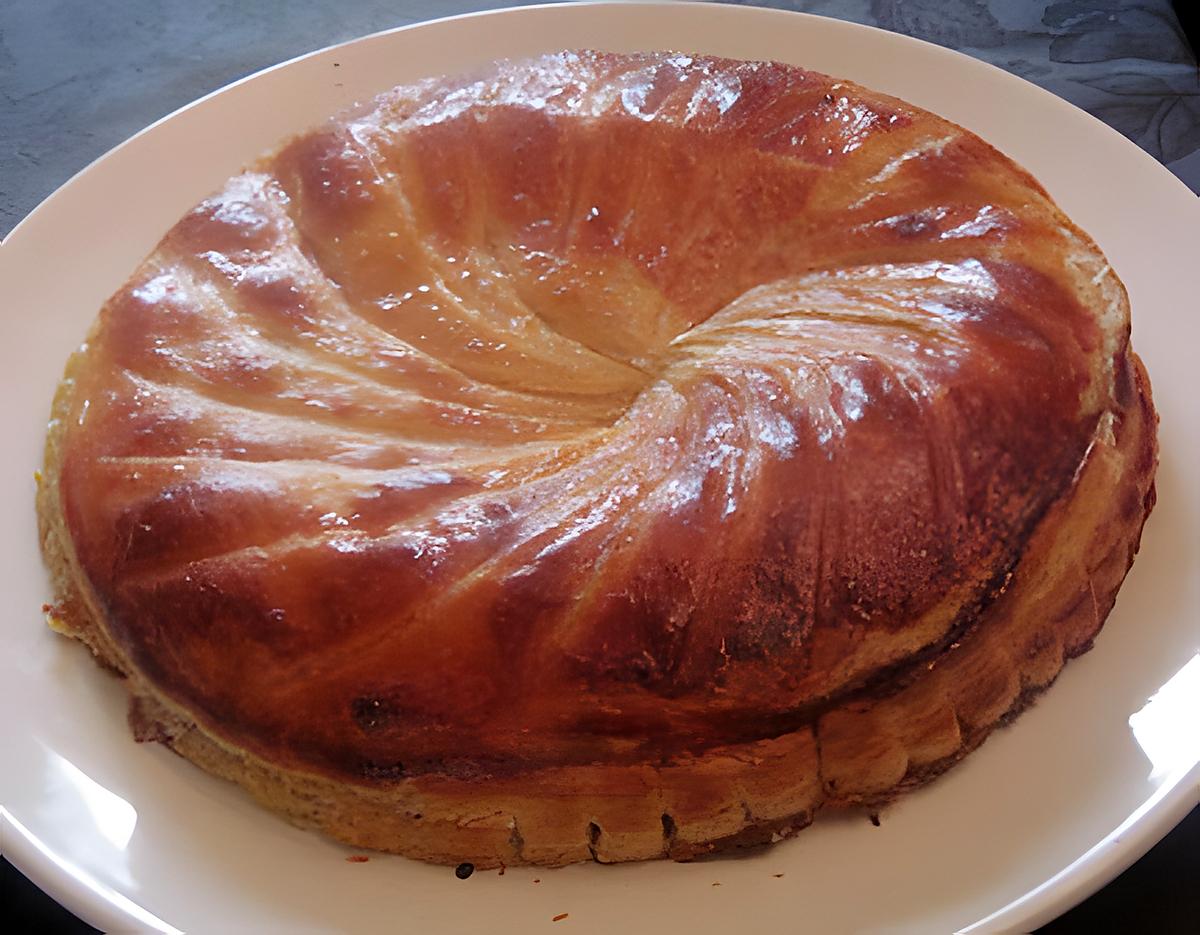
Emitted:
<point x="861" y="753"/>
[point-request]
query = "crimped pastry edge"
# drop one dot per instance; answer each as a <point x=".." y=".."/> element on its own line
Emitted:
<point x="861" y="754"/>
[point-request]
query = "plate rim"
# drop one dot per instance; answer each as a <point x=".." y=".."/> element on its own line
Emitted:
<point x="106" y="908"/>
<point x="929" y="47"/>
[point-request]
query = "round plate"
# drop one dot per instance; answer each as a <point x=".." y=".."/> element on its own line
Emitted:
<point x="1043" y="814"/>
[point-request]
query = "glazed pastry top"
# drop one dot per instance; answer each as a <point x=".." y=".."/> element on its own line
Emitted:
<point x="587" y="409"/>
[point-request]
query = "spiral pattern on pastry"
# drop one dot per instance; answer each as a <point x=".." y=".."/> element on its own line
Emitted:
<point x="593" y="409"/>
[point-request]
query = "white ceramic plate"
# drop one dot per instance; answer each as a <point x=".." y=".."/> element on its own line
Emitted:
<point x="131" y="836"/>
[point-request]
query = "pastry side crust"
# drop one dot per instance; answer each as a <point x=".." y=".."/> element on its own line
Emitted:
<point x="863" y="752"/>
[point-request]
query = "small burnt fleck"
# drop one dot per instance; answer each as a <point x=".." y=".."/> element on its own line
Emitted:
<point x="537" y="881"/>
<point x="464" y="870"/>
<point x="560" y="917"/>
<point x="777" y="875"/>
<point x="373" y="770"/>
<point x="874" y="816"/>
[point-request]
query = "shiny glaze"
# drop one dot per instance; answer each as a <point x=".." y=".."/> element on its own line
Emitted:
<point x="587" y="409"/>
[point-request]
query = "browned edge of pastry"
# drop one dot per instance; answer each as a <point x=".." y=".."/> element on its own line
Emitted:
<point x="862" y="753"/>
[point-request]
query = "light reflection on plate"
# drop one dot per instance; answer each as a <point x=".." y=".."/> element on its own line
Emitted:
<point x="111" y="816"/>
<point x="1168" y="728"/>
<point x="59" y="875"/>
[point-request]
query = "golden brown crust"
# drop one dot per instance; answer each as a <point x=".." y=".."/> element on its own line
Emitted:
<point x="459" y="525"/>
<point x="867" y="753"/>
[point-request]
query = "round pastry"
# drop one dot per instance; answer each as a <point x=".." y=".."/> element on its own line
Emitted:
<point x="611" y="456"/>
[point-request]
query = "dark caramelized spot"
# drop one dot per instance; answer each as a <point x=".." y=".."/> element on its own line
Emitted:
<point x="464" y="870"/>
<point x="383" y="771"/>
<point x="1126" y="388"/>
<point x="593" y="835"/>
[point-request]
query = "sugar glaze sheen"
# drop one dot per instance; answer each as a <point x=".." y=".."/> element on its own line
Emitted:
<point x="656" y="444"/>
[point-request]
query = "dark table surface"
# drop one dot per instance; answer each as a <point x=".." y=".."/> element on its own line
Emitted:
<point x="78" y="77"/>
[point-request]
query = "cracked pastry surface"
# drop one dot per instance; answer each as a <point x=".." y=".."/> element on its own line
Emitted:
<point x="600" y="455"/>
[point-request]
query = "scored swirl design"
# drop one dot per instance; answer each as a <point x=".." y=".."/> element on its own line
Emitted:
<point x="587" y="405"/>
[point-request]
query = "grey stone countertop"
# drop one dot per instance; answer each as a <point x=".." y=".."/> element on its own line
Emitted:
<point x="79" y="76"/>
